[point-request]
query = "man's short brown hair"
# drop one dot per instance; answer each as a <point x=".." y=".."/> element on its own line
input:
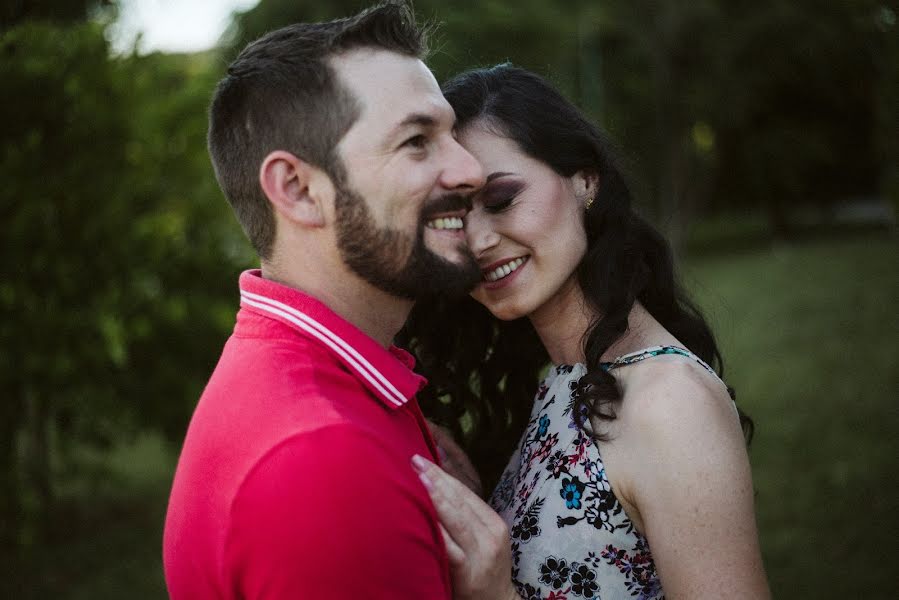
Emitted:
<point x="281" y="93"/>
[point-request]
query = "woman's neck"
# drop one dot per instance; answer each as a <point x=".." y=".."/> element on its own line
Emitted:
<point x="561" y="322"/>
<point x="564" y="319"/>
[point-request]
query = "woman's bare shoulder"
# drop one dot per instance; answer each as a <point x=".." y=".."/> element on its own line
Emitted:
<point x="667" y="390"/>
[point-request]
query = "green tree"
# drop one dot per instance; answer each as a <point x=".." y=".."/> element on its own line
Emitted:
<point x="121" y="253"/>
<point x="57" y="11"/>
<point x="718" y="105"/>
<point x="795" y="115"/>
<point x="533" y="33"/>
<point x="61" y="158"/>
<point x="660" y="62"/>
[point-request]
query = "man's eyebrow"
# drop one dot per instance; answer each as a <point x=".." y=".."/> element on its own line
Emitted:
<point x="421" y="119"/>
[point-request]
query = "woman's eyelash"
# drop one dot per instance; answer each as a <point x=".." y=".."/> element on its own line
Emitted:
<point x="499" y="197"/>
<point x="499" y="205"/>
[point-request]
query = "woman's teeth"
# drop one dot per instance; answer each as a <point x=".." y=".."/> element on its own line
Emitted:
<point x="504" y="270"/>
<point x="446" y="223"/>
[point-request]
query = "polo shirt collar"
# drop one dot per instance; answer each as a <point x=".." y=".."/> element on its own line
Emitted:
<point x="386" y="372"/>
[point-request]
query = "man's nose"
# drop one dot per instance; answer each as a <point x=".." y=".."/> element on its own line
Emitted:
<point x="462" y="172"/>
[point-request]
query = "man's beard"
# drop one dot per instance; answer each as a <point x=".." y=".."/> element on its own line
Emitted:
<point x="393" y="261"/>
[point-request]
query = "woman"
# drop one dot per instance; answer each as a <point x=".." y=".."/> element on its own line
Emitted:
<point x="630" y="479"/>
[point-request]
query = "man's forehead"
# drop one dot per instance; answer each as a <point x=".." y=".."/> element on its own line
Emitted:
<point x="390" y="87"/>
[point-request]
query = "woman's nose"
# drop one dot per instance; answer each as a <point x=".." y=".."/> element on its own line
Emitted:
<point x="478" y="232"/>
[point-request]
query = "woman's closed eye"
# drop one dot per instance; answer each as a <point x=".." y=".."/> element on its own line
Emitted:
<point x="500" y="197"/>
<point x="498" y="205"/>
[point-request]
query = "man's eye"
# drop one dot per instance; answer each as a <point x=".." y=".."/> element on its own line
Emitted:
<point x="416" y="141"/>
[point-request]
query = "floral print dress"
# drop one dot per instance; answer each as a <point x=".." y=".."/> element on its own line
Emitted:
<point x="570" y="535"/>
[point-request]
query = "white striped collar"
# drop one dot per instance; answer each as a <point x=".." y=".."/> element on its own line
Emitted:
<point x="385" y="372"/>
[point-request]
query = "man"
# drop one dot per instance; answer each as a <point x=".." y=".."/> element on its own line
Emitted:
<point x="335" y="148"/>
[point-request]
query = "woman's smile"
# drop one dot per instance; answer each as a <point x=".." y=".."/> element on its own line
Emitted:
<point x="502" y="272"/>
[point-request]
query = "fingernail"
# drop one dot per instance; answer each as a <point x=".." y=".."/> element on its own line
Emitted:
<point x="420" y="463"/>
<point x="426" y="481"/>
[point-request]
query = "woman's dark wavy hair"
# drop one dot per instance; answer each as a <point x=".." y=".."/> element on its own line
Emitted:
<point x="482" y="370"/>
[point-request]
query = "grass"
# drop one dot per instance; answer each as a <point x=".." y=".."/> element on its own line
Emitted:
<point x="104" y="538"/>
<point x="809" y="332"/>
<point x="810" y="336"/>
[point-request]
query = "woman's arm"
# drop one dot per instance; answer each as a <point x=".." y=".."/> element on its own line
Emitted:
<point x="689" y="475"/>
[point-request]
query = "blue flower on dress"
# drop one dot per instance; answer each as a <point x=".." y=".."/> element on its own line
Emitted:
<point x="572" y="490"/>
<point x="544" y="425"/>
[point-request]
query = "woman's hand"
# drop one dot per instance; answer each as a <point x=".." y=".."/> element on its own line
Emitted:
<point x="477" y="539"/>
<point x="454" y="460"/>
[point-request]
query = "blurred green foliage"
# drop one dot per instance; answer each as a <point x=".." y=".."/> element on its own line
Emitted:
<point x="14" y="12"/>
<point x="121" y="255"/>
<point x="776" y="105"/>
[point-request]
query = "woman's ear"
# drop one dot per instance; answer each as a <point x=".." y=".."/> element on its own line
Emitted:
<point x="586" y="184"/>
<point x="294" y="188"/>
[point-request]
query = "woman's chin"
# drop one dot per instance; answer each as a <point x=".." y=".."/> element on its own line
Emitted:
<point x="504" y="311"/>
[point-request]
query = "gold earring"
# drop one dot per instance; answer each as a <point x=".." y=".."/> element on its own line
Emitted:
<point x="590" y="199"/>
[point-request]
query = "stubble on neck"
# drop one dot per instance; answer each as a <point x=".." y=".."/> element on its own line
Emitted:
<point x="376" y="313"/>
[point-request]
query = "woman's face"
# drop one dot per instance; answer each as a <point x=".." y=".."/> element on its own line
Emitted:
<point x="525" y="228"/>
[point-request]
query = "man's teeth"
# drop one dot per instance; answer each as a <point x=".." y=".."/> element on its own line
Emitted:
<point x="504" y="270"/>
<point x="446" y="223"/>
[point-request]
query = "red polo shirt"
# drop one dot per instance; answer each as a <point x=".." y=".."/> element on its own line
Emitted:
<point x="295" y="478"/>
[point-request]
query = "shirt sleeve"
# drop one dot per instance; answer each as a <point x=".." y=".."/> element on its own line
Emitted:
<point x="334" y="514"/>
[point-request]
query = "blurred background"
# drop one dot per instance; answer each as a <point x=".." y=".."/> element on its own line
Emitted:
<point x="761" y="136"/>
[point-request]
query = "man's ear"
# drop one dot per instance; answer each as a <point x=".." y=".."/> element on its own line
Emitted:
<point x="295" y="188"/>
